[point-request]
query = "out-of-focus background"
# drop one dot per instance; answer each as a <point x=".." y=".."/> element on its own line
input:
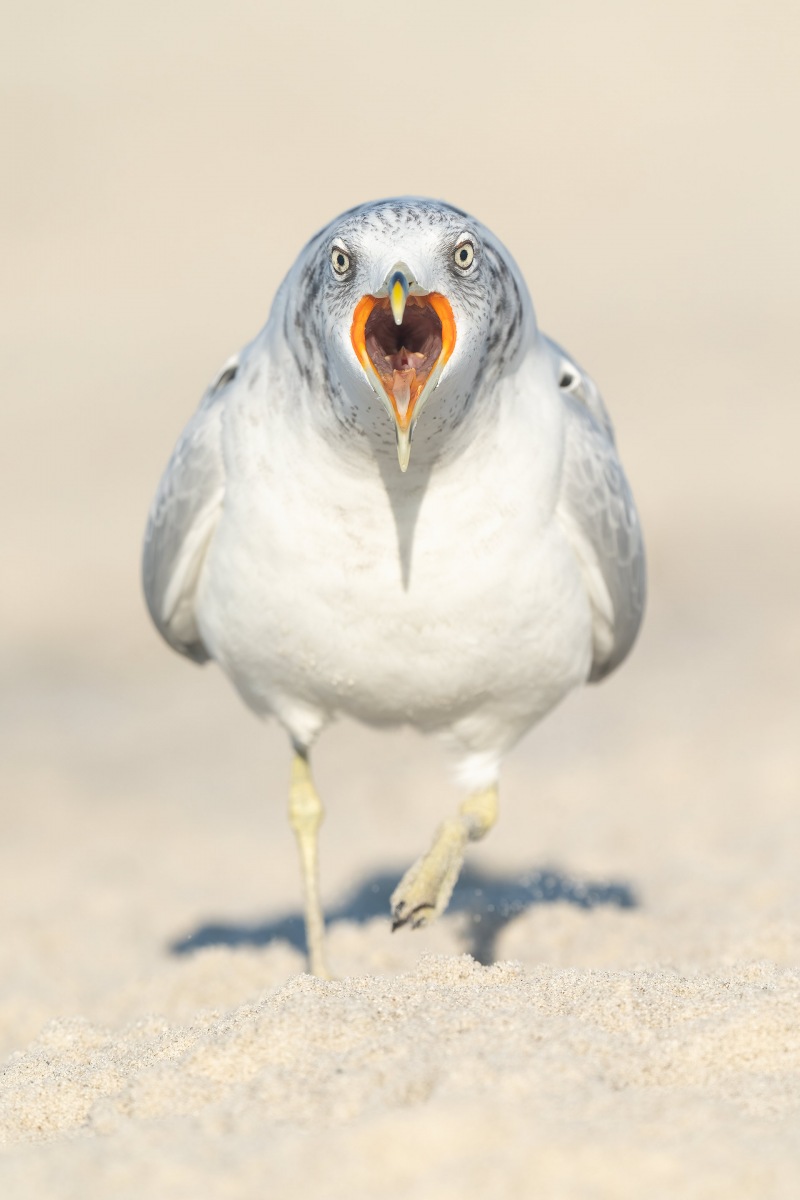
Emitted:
<point x="162" y="166"/>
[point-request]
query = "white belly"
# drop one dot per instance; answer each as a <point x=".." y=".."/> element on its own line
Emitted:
<point x="305" y="602"/>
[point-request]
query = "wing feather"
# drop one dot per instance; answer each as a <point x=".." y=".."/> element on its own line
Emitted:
<point x="598" y="515"/>
<point x="182" y="521"/>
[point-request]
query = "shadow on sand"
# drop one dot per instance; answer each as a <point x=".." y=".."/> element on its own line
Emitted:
<point x="490" y="900"/>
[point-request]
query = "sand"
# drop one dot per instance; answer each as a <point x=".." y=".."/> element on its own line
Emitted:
<point x="611" y="1006"/>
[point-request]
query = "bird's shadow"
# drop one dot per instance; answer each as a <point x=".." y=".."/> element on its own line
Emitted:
<point x="491" y="901"/>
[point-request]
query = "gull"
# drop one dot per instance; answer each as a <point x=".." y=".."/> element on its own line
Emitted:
<point x="400" y="503"/>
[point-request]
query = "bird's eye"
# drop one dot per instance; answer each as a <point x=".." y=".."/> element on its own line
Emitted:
<point x="464" y="255"/>
<point x="340" y="261"/>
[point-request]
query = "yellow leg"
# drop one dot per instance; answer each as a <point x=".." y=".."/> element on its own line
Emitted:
<point x="305" y="815"/>
<point x="425" y="889"/>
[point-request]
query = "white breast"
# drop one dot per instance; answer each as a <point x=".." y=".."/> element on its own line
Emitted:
<point x="450" y="601"/>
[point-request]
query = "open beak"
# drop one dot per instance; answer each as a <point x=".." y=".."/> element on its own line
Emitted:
<point x="403" y="338"/>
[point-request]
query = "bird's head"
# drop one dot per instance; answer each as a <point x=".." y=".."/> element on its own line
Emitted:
<point x="399" y="299"/>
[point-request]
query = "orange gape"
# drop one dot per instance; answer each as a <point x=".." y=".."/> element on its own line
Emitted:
<point x="376" y="370"/>
<point x="444" y="312"/>
<point x="357" y="334"/>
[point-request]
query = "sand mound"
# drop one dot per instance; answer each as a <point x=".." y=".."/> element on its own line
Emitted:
<point x="419" y="1085"/>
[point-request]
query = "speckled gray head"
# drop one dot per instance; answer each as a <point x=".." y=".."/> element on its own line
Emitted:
<point x="401" y="305"/>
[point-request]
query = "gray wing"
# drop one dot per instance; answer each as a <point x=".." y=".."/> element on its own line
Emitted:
<point x="597" y="513"/>
<point x="182" y="521"/>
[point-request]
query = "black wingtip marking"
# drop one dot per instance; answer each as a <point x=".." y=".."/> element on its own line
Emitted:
<point x="226" y="377"/>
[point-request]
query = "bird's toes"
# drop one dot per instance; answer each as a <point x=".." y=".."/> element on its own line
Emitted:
<point x="425" y="889"/>
<point x="402" y="914"/>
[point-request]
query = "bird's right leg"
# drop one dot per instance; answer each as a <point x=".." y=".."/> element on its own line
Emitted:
<point x="305" y="816"/>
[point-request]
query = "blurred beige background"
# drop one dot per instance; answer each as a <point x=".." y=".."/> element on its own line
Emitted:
<point x="162" y="166"/>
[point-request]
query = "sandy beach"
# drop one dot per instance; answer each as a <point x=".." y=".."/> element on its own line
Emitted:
<point x="610" y="1008"/>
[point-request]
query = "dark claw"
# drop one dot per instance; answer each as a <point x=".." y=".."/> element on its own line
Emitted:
<point x="401" y="917"/>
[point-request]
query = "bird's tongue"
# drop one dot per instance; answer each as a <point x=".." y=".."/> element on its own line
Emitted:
<point x="402" y="383"/>
<point x="404" y="376"/>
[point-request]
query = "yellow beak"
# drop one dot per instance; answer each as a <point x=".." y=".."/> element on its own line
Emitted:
<point x="398" y="294"/>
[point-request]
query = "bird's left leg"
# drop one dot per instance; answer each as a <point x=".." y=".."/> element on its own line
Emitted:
<point x="305" y="816"/>
<point x="425" y="889"/>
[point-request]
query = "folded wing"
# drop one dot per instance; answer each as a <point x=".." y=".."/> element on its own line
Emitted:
<point x="599" y="518"/>
<point x="182" y="520"/>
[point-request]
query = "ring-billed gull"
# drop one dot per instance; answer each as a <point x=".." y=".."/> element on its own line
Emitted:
<point x="462" y="586"/>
